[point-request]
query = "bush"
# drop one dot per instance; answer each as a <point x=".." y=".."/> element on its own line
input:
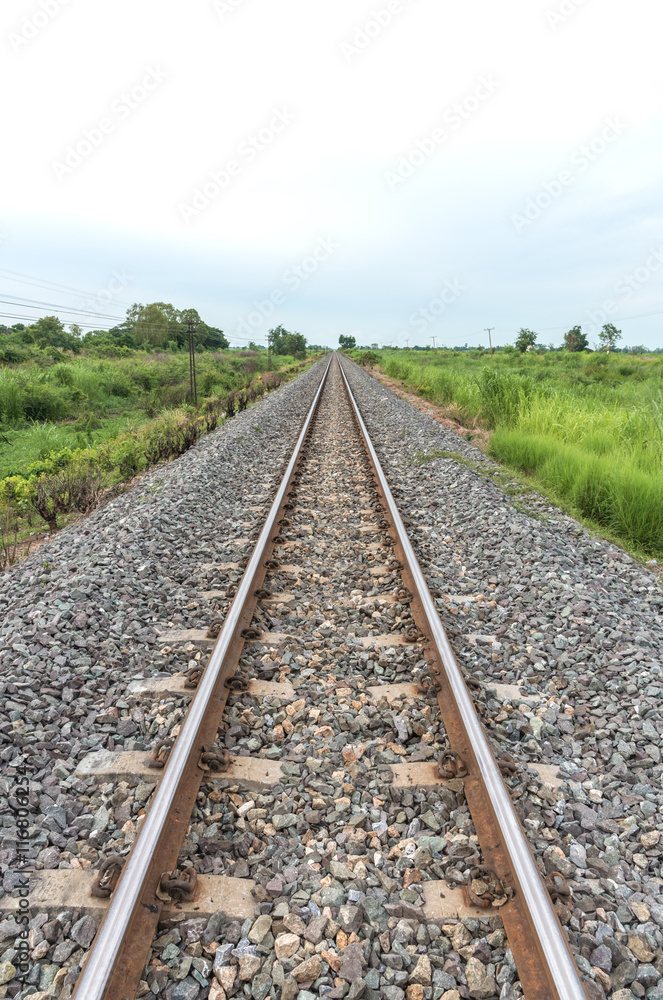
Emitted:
<point x="42" y="403"/>
<point x="503" y="395"/>
<point x="606" y="489"/>
<point x="11" y="402"/>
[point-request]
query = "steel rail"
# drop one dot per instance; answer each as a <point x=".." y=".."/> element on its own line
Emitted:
<point x="550" y="962"/>
<point x="100" y="975"/>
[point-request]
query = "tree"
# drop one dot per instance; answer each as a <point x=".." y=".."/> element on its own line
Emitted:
<point x="609" y="336"/>
<point x="575" y="340"/>
<point x="49" y="332"/>
<point x="525" y="339"/>
<point x="275" y="339"/>
<point x="295" y="344"/>
<point x="152" y="326"/>
<point x="347" y="343"/>
<point x="282" y="341"/>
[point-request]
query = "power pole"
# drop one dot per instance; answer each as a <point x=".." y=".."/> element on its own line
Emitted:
<point x="489" y="330"/>
<point x="192" y="361"/>
<point x="433" y="339"/>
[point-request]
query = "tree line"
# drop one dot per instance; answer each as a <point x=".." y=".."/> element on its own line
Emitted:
<point x="157" y="325"/>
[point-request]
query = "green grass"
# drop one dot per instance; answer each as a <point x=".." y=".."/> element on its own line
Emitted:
<point x="78" y="402"/>
<point x="74" y="428"/>
<point x="587" y="428"/>
<point x="26" y="445"/>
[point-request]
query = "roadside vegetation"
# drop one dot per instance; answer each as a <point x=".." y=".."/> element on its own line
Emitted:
<point x="587" y="427"/>
<point x="81" y="416"/>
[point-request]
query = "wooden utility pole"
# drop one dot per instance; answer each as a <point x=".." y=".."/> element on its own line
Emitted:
<point x="489" y="329"/>
<point x="192" y="361"/>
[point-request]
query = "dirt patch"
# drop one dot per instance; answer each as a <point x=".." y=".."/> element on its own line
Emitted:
<point x="442" y="414"/>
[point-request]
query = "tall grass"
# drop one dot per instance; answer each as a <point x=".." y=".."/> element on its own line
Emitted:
<point x="588" y="428"/>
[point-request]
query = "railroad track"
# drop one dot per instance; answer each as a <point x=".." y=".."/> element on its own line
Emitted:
<point x="334" y="530"/>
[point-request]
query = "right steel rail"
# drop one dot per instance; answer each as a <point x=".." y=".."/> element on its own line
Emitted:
<point x="544" y="962"/>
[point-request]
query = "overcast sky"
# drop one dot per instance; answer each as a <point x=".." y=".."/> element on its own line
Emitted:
<point x="397" y="169"/>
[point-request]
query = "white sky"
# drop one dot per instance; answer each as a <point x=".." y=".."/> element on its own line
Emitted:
<point x="537" y="80"/>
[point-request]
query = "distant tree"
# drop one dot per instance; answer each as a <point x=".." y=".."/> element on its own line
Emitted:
<point x="575" y="340"/>
<point x="275" y="339"/>
<point x="347" y="343"/>
<point x="151" y="327"/>
<point x="282" y="341"/>
<point x="49" y="332"/>
<point x="525" y="339"/>
<point x="609" y="336"/>
<point x="76" y="330"/>
<point x="213" y="339"/>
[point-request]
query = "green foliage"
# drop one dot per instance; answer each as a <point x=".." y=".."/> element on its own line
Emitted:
<point x="588" y="427"/>
<point x="525" y="339"/>
<point x="346" y="343"/>
<point x="284" y="342"/>
<point x="53" y="470"/>
<point x="609" y="336"/>
<point x="503" y="396"/>
<point x="49" y="332"/>
<point x="617" y="496"/>
<point x="575" y="340"/>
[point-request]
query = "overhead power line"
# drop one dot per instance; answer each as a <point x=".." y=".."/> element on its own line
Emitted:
<point x="26" y="279"/>
<point x="28" y="303"/>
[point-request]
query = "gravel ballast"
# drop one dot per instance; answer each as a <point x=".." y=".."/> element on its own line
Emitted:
<point x="339" y="855"/>
<point x="80" y="619"/>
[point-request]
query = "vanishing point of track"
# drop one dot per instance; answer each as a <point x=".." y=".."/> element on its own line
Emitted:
<point x="544" y="963"/>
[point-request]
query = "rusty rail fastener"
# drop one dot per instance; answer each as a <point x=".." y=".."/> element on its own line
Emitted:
<point x="251" y="632"/>
<point x="215" y="627"/>
<point x="557" y="892"/>
<point x="428" y="685"/>
<point x="506" y="764"/>
<point x="451" y="765"/>
<point x="179" y="886"/>
<point x="107" y="877"/>
<point x="193" y="677"/>
<point x="214" y="758"/>
<point x="161" y="753"/>
<point x="237" y="683"/>
<point x="487" y="888"/>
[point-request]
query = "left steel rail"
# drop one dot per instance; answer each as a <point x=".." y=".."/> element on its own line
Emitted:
<point x="117" y="958"/>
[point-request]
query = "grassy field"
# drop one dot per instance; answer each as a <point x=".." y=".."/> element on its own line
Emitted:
<point x="586" y="427"/>
<point x="73" y="427"/>
<point x="78" y="402"/>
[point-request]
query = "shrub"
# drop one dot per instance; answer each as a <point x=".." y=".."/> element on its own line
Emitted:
<point x="42" y="403"/>
<point x="11" y="402"/>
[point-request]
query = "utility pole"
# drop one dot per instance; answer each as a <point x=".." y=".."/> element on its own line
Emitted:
<point x="433" y="339"/>
<point x="192" y="361"/>
<point x="489" y="330"/>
